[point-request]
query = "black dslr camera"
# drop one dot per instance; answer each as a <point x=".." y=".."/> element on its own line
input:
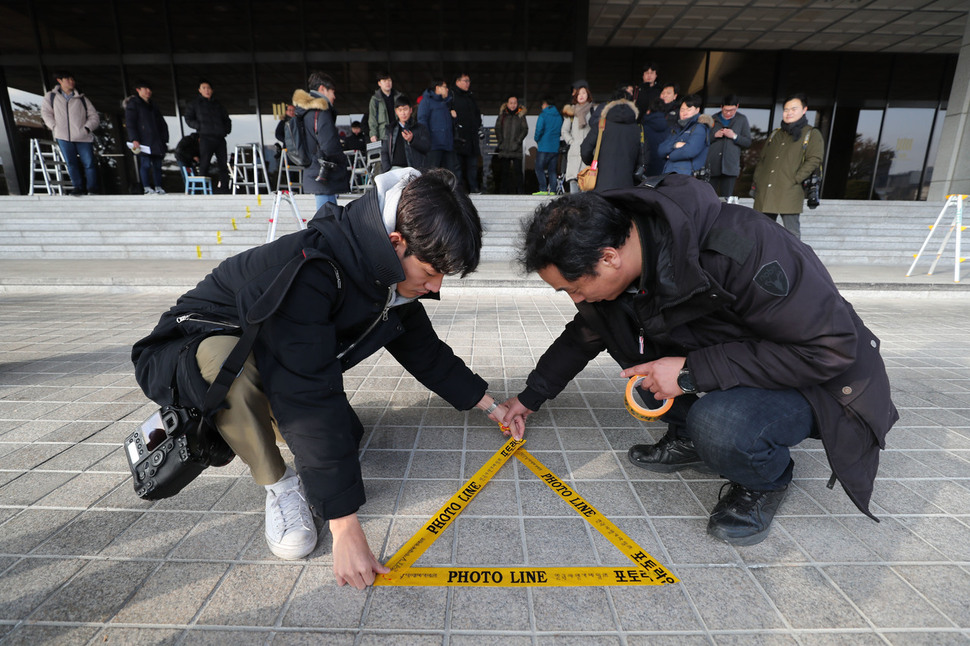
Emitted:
<point x="170" y="449"/>
<point x="326" y="167"/>
<point x="811" y="185"/>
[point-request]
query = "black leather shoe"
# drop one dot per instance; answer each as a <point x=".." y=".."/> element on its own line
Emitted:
<point x="743" y="516"/>
<point x="670" y="454"/>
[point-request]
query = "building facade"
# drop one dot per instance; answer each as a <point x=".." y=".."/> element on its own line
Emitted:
<point x="882" y="112"/>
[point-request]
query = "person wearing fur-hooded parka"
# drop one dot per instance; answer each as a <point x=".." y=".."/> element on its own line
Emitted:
<point x="620" y="151"/>
<point x="319" y="119"/>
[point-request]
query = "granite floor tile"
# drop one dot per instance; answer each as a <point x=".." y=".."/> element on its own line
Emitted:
<point x="251" y="595"/>
<point x="96" y="593"/>
<point x="728" y="599"/>
<point x="884" y="597"/>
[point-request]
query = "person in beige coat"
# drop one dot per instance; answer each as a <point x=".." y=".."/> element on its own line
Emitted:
<point x="790" y="155"/>
<point x="575" y="125"/>
<point x="72" y="119"/>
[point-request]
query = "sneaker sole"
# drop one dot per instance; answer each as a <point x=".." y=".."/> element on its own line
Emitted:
<point x="658" y="467"/>
<point x="290" y="552"/>
<point x="752" y="539"/>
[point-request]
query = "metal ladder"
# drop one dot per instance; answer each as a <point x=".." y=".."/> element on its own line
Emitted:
<point x="48" y="168"/>
<point x="249" y="169"/>
<point x="289" y="175"/>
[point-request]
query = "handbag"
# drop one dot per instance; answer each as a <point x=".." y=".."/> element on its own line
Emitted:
<point x="587" y="177"/>
<point x="177" y="443"/>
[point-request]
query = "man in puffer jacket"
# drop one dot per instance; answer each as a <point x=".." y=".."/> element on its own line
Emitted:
<point x="319" y="125"/>
<point x="436" y="114"/>
<point x="548" y="127"/>
<point x="212" y="122"/>
<point x="72" y="119"/>
<point x="511" y="130"/>
<point x="352" y="284"/>
<point x="686" y="149"/>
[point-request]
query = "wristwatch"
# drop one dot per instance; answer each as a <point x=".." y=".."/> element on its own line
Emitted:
<point x="686" y="382"/>
<point x="491" y="409"/>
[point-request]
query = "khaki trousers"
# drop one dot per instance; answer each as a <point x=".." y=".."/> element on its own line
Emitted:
<point x="248" y="425"/>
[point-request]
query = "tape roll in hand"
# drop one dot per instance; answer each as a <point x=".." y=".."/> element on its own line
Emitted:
<point x="638" y="411"/>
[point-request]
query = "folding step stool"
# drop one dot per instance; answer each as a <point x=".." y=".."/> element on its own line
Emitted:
<point x="290" y="173"/>
<point x="249" y="169"/>
<point x="48" y="168"/>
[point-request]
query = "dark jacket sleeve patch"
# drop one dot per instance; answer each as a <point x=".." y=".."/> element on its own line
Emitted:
<point x="772" y="278"/>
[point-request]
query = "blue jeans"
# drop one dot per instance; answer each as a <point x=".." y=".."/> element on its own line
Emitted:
<point x="546" y="163"/>
<point x="85" y="150"/>
<point x="744" y="433"/>
<point x="323" y="199"/>
<point x="150" y="169"/>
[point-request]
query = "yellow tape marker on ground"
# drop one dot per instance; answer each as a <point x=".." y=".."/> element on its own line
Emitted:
<point x="647" y="572"/>
<point x="641" y="413"/>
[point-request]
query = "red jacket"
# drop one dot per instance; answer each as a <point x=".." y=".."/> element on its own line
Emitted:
<point x="748" y="304"/>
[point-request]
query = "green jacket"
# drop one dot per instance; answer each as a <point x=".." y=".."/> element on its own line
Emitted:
<point x="783" y="164"/>
<point x="377" y="117"/>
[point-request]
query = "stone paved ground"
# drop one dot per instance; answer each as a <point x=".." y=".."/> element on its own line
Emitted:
<point x="82" y="560"/>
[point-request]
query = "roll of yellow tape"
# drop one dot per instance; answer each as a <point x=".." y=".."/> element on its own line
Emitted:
<point x="638" y="411"/>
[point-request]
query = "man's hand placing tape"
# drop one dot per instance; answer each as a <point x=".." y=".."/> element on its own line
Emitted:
<point x="659" y="377"/>
<point x="498" y="413"/>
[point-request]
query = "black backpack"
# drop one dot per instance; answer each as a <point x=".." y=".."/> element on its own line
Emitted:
<point x="295" y="140"/>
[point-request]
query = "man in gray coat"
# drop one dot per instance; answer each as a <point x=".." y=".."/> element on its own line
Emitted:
<point x="72" y="119"/>
<point x="730" y="135"/>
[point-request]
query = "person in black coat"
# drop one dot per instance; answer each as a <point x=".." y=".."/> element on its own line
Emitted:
<point x="701" y="297"/>
<point x="649" y="90"/>
<point x="148" y="135"/>
<point x="620" y="151"/>
<point x="212" y="122"/>
<point x="360" y="274"/>
<point x="407" y="142"/>
<point x="319" y="124"/>
<point x="655" y="130"/>
<point x="468" y="124"/>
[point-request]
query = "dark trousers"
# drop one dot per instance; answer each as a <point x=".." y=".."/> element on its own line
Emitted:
<point x="83" y="150"/>
<point x="744" y="434"/>
<point x="150" y="170"/>
<point x="210" y="145"/>
<point x="468" y="170"/>
<point x="509" y="175"/>
<point x="442" y="159"/>
<point x="546" y="167"/>
<point x="790" y="222"/>
<point x="723" y="184"/>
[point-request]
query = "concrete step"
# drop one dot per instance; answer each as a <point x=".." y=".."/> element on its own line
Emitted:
<point x="177" y="226"/>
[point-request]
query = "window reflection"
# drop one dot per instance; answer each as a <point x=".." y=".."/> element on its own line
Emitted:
<point x="905" y="136"/>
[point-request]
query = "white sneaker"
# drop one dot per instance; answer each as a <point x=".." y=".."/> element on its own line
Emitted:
<point x="290" y="532"/>
<point x="149" y="191"/>
<point x="160" y="191"/>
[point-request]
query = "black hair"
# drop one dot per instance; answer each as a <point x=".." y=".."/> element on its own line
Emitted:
<point x="318" y="78"/>
<point x="620" y="92"/>
<point x="673" y="85"/>
<point x="436" y="82"/>
<point x="140" y="83"/>
<point x="548" y="100"/>
<point x="439" y="223"/>
<point x="657" y="105"/>
<point x="797" y="95"/>
<point x="571" y="233"/>
<point x="402" y="99"/>
<point x="63" y="74"/>
<point x="383" y="74"/>
<point x="462" y="74"/>
<point x="207" y="81"/>
<point x="650" y="65"/>
<point x="731" y="99"/>
<point x="355" y="124"/>
<point x="693" y="101"/>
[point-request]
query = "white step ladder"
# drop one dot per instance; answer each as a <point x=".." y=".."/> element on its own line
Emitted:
<point x="289" y="175"/>
<point x="249" y="169"/>
<point x="283" y="195"/>
<point x="48" y="168"/>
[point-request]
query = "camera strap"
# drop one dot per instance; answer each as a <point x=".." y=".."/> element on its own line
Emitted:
<point x="230" y="369"/>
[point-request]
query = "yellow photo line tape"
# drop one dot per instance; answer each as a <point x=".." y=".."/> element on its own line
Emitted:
<point x="442" y="519"/>
<point x="638" y="411"/>
<point x="599" y="522"/>
<point x="648" y="572"/>
<point x="526" y="577"/>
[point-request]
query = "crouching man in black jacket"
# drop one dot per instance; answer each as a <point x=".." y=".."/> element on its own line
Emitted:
<point x="363" y="268"/>
<point x="703" y="297"/>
